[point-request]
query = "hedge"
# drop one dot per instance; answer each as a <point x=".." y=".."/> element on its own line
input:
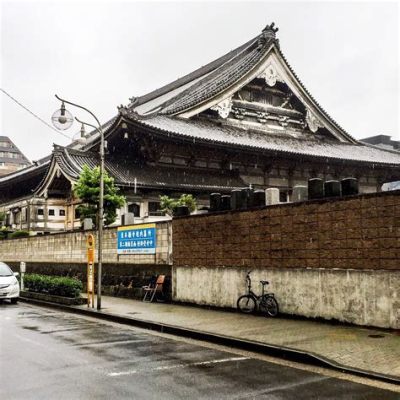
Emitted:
<point x="54" y="285"/>
<point x="18" y="234"/>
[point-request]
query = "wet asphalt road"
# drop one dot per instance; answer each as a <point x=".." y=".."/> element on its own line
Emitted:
<point x="47" y="354"/>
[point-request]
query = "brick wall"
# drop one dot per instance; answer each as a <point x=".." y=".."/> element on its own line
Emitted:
<point x="361" y="232"/>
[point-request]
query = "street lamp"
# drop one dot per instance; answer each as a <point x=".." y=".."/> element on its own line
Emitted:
<point x="62" y="119"/>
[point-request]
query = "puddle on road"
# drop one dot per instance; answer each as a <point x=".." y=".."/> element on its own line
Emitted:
<point x="31" y="328"/>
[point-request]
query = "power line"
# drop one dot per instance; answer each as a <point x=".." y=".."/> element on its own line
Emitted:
<point x="36" y="116"/>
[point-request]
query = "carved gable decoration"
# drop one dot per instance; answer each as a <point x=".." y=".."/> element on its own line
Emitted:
<point x="224" y="107"/>
<point x="270" y="75"/>
<point x="312" y="121"/>
<point x="266" y="101"/>
<point x="269" y="102"/>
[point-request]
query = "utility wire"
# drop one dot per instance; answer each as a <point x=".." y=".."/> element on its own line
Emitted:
<point x="36" y="116"/>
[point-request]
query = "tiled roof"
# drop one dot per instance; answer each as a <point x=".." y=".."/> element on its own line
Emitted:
<point x="313" y="99"/>
<point x="125" y="173"/>
<point x="218" y="80"/>
<point x="282" y="142"/>
<point x="189" y="78"/>
<point x="23" y="182"/>
<point x="36" y="167"/>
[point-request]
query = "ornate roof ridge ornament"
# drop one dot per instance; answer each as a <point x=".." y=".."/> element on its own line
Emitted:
<point x="133" y="100"/>
<point x="123" y="110"/>
<point x="312" y="121"/>
<point x="224" y="107"/>
<point x="268" y="34"/>
<point x="126" y="111"/>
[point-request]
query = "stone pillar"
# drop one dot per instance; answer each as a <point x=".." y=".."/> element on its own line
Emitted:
<point x="300" y="193"/>
<point x="271" y="196"/>
<point x="28" y="215"/>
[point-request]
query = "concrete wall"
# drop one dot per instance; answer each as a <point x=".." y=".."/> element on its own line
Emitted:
<point x="363" y="297"/>
<point x="335" y="259"/>
<point x="65" y="254"/>
<point x="70" y="247"/>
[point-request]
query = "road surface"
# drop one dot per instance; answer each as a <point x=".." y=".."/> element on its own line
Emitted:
<point x="49" y="354"/>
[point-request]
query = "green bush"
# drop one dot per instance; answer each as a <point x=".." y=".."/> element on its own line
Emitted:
<point x="18" y="234"/>
<point x="54" y="285"/>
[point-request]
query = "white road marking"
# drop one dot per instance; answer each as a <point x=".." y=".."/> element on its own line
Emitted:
<point x="25" y="339"/>
<point x="167" y="367"/>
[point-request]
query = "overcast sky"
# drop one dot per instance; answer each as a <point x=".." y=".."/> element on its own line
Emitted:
<point x="101" y="53"/>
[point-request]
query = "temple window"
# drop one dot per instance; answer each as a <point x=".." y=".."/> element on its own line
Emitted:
<point x="40" y="211"/>
<point x="51" y="212"/>
<point x="166" y="160"/>
<point x="200" y="164"/>
<point x="135" y="209"/>
<point x="61" y="213"/>
<point x="24" y="214"/>
<point x="213" y="164"/>
<point x="154" y="208"/>
<point x="179" y="161"/>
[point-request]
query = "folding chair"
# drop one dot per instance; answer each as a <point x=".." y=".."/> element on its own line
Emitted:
<point x="150" y="291"/>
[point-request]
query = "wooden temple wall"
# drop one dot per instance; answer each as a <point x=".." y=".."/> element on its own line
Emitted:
<point x="335" y="259"/>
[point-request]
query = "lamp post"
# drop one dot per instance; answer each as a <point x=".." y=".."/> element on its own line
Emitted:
<point x="62" y="119"/>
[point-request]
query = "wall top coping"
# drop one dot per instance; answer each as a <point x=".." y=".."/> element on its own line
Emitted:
<point x="80" y="231"/>
<point x="296" y="204"/>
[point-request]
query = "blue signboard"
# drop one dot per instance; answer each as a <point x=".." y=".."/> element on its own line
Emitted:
<point x="136" y="239"/>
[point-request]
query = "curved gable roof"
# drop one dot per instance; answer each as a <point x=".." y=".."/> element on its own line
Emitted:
<point x="226" y="75"/>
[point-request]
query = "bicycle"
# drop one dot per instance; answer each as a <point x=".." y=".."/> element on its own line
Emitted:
<point x="250" y="302"/>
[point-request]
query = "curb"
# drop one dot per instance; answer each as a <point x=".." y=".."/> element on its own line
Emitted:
<point x="284" y="352"/>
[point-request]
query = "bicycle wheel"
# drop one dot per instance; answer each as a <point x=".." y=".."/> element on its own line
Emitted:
<point x="269" y="306"/>
<point x="246" y="304"/>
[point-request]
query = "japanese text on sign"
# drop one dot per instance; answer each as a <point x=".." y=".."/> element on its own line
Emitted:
<point x="137" y="239"/>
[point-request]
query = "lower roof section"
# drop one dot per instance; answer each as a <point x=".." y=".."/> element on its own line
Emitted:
<point x="129" y="174"/>
<point x="286" y="143"/>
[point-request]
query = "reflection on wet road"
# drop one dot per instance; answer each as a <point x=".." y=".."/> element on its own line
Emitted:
<point x="47" y="354"/>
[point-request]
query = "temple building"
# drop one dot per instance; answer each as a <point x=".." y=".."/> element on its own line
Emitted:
<point x="243" y="119"/>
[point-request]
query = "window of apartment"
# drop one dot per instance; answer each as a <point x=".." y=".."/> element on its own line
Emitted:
<point x="61" y="213"/>
<point x="77" y="213"/>
<point x="51" y="212"/>
<point x="40" y="211"/>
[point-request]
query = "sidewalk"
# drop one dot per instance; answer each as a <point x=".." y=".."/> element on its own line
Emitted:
<point x="341" y="347"/>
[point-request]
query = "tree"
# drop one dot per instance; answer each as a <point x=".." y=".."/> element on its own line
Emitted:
<point x="169" y="205"/>
<point x="88" y="190"/>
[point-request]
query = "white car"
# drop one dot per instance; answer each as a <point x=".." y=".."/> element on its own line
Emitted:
<point x="9" y="285"/>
